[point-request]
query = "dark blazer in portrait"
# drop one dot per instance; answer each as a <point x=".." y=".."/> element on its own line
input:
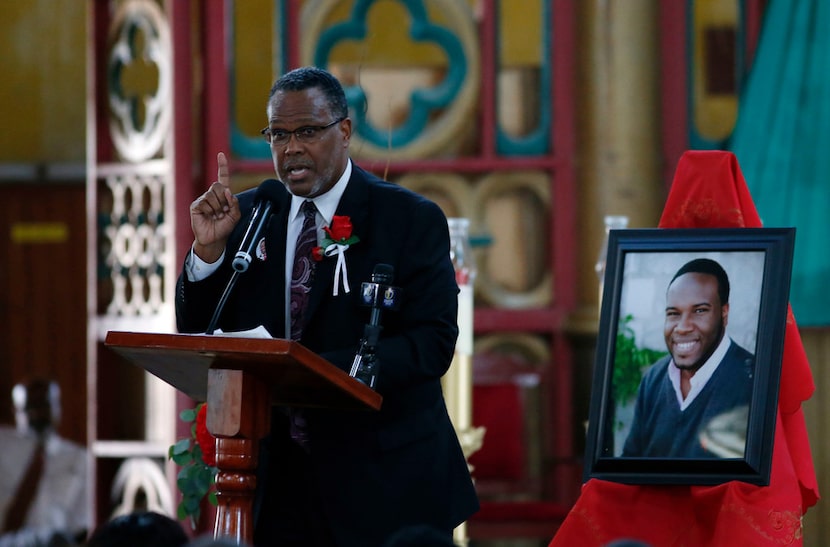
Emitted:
<point x="661" y="429"/>
<point x="375" y="472"/>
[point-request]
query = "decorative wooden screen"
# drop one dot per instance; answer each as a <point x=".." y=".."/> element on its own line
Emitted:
<point x="131" y="268"/>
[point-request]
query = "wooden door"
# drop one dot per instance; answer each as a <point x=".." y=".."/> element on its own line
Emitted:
<point x="43" y="295"/>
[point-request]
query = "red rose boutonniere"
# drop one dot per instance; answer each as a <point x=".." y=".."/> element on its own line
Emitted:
<point x="339" y="239"/>
<point x="196" y="456"/>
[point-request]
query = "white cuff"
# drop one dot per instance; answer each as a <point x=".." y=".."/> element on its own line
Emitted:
<point x="197" y="269"/>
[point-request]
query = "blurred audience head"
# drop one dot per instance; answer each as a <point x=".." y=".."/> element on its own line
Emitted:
<point x="419" y="536"/>
<point x="207" y="540"/>
<point x="139" y="529"/>
<point x="36" y="406"/>
<point x="627" y="542"/>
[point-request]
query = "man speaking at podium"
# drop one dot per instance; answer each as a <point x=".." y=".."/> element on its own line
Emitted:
<point x="330" y="477"/>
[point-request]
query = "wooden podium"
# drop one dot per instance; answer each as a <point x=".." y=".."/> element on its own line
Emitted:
<point x="241" y="378"/>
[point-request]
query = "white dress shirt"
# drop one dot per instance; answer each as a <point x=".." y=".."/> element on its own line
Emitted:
<point x="60" y="503"/>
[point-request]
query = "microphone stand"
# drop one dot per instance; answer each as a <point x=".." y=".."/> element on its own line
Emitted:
<point x="365" y="365"/>
<point x="221" y="305"/>
<point x="379" y="295"/>
<point x="266" y="195"/>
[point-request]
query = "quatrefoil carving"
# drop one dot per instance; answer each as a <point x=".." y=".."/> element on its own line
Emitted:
<point x="139" y="80"/>
<point x="437" y="115"/>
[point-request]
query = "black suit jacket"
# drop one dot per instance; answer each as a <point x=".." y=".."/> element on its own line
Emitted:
<point x="376" y="472"/>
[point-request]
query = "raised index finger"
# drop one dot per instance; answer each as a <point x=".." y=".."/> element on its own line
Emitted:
<point x="223" y="176"/>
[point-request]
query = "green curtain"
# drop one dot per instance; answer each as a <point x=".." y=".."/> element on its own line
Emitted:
<point x="782" y="141"/>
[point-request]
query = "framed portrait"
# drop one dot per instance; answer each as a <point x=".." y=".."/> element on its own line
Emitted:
<point x="688" y="357"/>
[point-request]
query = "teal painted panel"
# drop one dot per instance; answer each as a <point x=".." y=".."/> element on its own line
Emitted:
<point x="537" y="141"/>
<point x="424" y="101"/>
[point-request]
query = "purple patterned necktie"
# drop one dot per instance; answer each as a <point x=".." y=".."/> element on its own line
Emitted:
<point x="303" y="272"/>
<point x="301" y="277"/>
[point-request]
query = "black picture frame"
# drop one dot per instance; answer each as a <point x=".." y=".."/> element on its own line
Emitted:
<point x="640" y="265"/>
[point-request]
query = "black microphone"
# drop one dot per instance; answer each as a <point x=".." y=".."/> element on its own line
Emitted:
<point x="266" y="195"/>
<point x="380" y="295"/>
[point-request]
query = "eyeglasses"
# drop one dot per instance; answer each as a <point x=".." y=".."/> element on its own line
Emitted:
<point x="305" y="135"/>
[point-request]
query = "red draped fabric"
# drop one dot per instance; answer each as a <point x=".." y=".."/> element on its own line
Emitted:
<point x="709" y="191"/>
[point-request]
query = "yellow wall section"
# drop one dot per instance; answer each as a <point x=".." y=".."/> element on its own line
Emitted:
<point x="714" y="114"/>
<point x="522" y="33"/>
<point x="254" y="59"/>
<point x="43" y="92"/>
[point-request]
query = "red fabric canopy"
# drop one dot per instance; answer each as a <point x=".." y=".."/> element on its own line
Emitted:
<point x="709" y="191"/>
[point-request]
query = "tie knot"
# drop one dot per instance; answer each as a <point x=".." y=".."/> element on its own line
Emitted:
<point x="308" y="208"/>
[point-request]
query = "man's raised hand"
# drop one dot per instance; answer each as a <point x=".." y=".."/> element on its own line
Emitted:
<point x="214" y="214"/>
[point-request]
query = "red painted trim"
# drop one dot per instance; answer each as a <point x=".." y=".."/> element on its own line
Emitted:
<point x="292" y="28"/>
<point x="563" y="201"/>
<point x="673" y="85"/>
<point x="563" y="252"/>
<point x="563" y="482"/>
<point x="489" y="63"/>
<point x="216" y="107"/>
<point x="542" y="320"/>
<point x="103" y="145"/>
<point x="183" y="124"/>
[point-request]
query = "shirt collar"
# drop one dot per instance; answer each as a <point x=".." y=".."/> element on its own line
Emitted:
<point x="701" y="376"/>
<point x="326" y="203"/>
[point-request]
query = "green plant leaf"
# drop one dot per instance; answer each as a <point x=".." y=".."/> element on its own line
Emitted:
<point x="191" y="504"/>
<point x="203" y="478"/>
<point x="181" y="511"/>
<point x="189" y="415"/>
<point x="181" y="447"/>
<point x="629" y="362"/>
<point x="195" y="479"/>
<point x="180" y="453"/>
<point x="182" y="459"/>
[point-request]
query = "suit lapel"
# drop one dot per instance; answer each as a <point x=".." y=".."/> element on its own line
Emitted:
<point x="354" y="204"/>
<point x="275" y="242"/>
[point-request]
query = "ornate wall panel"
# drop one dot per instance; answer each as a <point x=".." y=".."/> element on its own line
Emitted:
<point x="452" y="191"/>
<point x="139" y="78"/>
<point x="514" y="210"/>
<point x="436" y="91"/>
<point x="133" y="242"/>
<point x="134" y="176"/>
<point x="130" y="121"/>
<point x="515" y="207"/>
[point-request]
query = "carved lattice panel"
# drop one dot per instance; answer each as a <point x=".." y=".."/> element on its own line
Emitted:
<point x="133" y="246"/>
